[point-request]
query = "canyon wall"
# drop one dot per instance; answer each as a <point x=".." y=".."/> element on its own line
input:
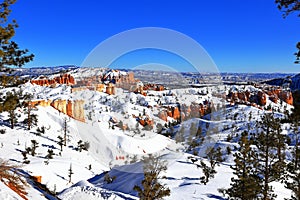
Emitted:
<point x="62" y="79"/>
<point x="185" y="112"/>
<point x="260" y="98"/>
<point x="73" y="109"/>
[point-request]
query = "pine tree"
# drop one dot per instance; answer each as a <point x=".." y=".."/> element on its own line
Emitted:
<point x="293" y="167"/>
<point x="60" y="142"/>
<point x="50" y="154"/>
<point x="34" y="146"/>
<point x="82" y="145"/>
<point x="270" y="167"/>
<point x="10" y="104"/>
<point x="108" y="179"/>
<point x="65" y="130"/>
<point x="70" y="173"/>
<point x="25" y="158"/>
<point x="40" y="130"/>
<point x="150" y="188"/>
<point x="31" y="118"/>
<point x="246" y="184"/>
<point x="214" y="156"/>
<point x="10" y="54"/>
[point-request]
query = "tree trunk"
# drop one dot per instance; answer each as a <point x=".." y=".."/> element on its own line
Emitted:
<point x="266" y="183"/>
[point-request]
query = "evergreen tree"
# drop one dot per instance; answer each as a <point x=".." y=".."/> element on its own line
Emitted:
<point x="60" y="142"/>
<point x="270" y="166"/>
<point x="70" y="173"/>
<point x="246" y="184"/>
<point x="150" y="188"/>
<point x="50" y="154"/>
<point x="82" y="145"/>
<point x="34" y="146"/>
<point x="10" y="54"/>
<point x="31" y="118"/>
<point x="25" y="158"/>
<point x="108" y="179"/>
<point x="65" y="130"/>
<point x="40" y="130"/>
<point x="208" y="172"/>
<point x="293" y="167"/>
<point x="287" y="7"/>
<point x="214" y="156"/>
<point x="10" y="105"/>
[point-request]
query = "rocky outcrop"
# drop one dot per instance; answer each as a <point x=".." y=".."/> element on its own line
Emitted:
<point x="283" y="95"/>
<point x="144" y="120"/>
<point x="261" y="98"/>
<point x="128" y="78"/>
<point x="247" y="98"/>
<point x="78" y="111"/>
<point x="73" y="109"/>
<point x="194" y="110"/>
<point x="169" y="112"/>
<point x="42" y="102"/>
<point x="110" y="89"/>
<point x="60" y="105"/>
<point x="163" y="115"/>
<point x="151" y="86"/>
<point x="62" y="79"/>
<point x="286" y="96"/>
<point x="99" y="87"/>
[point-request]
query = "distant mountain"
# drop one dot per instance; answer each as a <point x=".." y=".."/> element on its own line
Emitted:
<point x="294" y="81"/>
<point x="36" y="71"/>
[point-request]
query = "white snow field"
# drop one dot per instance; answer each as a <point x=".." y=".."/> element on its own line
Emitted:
<point x="112" y="150"/>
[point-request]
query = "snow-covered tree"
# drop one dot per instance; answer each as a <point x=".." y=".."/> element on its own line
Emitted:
<point x="151" y="188"/>
<point x="271" y="165"/>
<point x="246" y="183"/>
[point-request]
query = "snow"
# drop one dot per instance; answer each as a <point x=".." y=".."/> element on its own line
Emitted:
<point x="108" y="145"/>
<point x="8" y="194"/>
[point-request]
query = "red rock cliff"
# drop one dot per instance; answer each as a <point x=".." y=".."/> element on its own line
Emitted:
<point x="73" y="109"/>
<point x="62" y="79"/>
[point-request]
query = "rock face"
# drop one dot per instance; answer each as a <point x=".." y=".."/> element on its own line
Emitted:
<point x="73" y="109"/>
<point x="100" y="87"/>
<point x="60" y="105"/>
<point x="110" y="89"/>
<point x="283" y="95"/>
<point x="260" y="97"/>
<point x="169" y="112"/>
<point x="126" y="81"/>
<point x="163" y="115"/>
<point x="43" y="103"/>
<point x="151" y="86"/>
<point x="62" y="79"/>
<point x="286" y="96"/>
<point x="186" y="112"/>
<point x="78" y="112"/>
<point x="146" y="122"/>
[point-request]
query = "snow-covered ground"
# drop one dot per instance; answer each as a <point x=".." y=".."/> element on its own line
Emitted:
<point x="113" y="149"/>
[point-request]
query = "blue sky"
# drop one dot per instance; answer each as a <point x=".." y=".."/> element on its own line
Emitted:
<point x="240" y="36"/>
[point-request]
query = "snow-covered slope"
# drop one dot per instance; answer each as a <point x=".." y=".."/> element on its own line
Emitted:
<point x="117" y="150"/>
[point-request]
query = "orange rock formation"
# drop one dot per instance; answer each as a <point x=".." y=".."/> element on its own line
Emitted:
<point x="62" y="79"/>
<point x="73" y="109"/>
